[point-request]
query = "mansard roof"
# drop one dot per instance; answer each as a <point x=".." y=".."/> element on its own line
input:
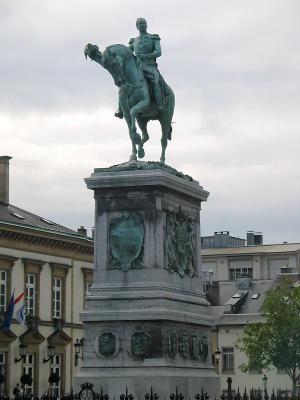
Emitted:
<point x="15" y="216"/>
<point x="27" y="231"/>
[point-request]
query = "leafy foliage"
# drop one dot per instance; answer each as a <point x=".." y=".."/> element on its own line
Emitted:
<point x="276" y="342"/>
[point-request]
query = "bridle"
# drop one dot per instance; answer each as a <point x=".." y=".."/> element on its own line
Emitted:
<point x="126" y="87"/>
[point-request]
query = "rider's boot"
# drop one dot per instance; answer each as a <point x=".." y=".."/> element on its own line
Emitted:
<point x="119" y="113"/>
<point x="158" y="97"/>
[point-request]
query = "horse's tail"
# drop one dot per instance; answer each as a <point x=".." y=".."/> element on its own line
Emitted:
<point x="170" y="133"/>
<point x="169" y="104"/>
<point x="167" y="115"/>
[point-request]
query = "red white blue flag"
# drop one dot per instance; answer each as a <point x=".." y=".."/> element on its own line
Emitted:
<point x="10" y="311"/>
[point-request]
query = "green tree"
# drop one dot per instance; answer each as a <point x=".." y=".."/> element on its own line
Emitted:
<point x="275" y="342"/>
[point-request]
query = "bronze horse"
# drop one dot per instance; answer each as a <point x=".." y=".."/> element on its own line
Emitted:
<point x="135" y="95"/>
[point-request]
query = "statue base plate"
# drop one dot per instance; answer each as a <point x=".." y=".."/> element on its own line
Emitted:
<point x="147" y="321"/>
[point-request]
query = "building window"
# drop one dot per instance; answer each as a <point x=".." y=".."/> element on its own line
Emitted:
<point x="3" y="371"/>
<point x="3" y="291"/>
<point x="32" y="271"/>
<point x="59" y="284"/>
<point x="57" y="297"/>
<point x="30" y="294"/>
<point x="240" y="272"/>
<point x="55" y="368"/>
<point x="28" y="369"/>
<point x="87" y="282"/>
<point x="88" y="288"/>
<point x="228" y="359"/>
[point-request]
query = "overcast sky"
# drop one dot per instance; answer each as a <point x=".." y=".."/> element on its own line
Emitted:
<point x="234" y="66"/>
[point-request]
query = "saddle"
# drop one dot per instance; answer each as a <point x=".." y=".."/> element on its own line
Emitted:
<point x="163" y="86"/>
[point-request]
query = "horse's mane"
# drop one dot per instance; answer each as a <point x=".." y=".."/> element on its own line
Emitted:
<point x="120" y="48"/>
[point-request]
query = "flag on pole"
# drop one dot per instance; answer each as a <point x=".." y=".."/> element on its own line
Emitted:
<point x="19" y="298"/>
<point x="9" y="314"/>
<point x="10" y="311"/>
<point x="21" y="314"/>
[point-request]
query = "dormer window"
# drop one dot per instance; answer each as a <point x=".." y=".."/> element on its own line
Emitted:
<point x="17" y="215"/>
<point x="240" y="273"/>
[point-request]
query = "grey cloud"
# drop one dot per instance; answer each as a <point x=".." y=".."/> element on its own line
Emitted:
<point x="234" y="67"/>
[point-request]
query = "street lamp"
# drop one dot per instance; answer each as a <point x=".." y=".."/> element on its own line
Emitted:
<point x="22" y="352"/>
<point x="78" y="345"/>
<point x="204" y="280"/>
<point x="217" y="355"/>
<point x="265" y="381"/>
<point x="50" y="353"/>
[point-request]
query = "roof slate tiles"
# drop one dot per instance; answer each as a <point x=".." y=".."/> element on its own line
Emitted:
<point x="30" y="220"/>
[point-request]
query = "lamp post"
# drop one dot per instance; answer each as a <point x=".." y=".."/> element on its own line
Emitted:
<point x="229" y="388"/>
<point x="204" y="279"/>
<point x="217" y="356"/>
<point x="22" y="352"/>
<point x="78" y="345"/>
<point x="265" y="381"/>
<point x="50" y="353"/>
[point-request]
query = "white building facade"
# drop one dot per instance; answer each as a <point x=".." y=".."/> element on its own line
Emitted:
<point x="53" y="266"/>
<point x="223" y="268"/>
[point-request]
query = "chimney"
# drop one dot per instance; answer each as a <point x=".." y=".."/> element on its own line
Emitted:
<point x="254" y="238"/>
<point x="82" y="231"/>
<point x="250" y="238"/>
<point x="4" y="179"/>
<point x="258" y="238"/>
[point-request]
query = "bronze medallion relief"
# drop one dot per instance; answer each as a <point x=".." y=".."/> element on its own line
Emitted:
<point x="107" y="344"/>
<point x="126" y="239"/>
<point x="140" y="344"/>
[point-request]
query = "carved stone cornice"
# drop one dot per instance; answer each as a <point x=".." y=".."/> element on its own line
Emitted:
<point x="7" y="336"/>
<point x="87" y="272"/>
<point x="32" y="336"/>
<point x="39" y="263"/>
<point x="11" y="259"/>
<point x="46" y="242"/>
<point x="59" y="337"/>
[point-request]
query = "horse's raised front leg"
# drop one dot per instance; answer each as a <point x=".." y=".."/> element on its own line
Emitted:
<point x="133" y="142"/>
<point x="138" y="109"/>
<point x="142" y="122"/>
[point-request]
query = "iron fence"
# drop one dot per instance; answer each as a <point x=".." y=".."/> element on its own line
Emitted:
<point x="87" y="392"/>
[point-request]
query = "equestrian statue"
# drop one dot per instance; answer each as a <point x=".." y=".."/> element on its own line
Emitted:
<point x="143" y="93"/>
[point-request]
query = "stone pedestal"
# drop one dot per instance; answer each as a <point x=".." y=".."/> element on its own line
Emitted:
<point x="146" y="322"/>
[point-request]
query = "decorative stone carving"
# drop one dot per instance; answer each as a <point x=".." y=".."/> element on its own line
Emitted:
<point x="140" y="344"/>
<point x="126" y="238"/>
<point x="107" y="344"/>
<point x="194" y="348"/>
<point x="180" y="244"/>
<point x="203" y="348"/>
<point x="184" y="345"/>
<point x="172" y="344"/>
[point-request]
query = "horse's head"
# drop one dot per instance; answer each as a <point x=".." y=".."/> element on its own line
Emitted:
<point x="90" y="50"/>
<point x="113" y="59"/>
